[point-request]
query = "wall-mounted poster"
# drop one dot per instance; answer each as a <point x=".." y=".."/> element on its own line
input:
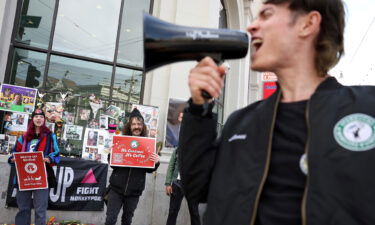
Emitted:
<point x="11" y="142"/>
<point x="72" y="132"/>
<point x="93" y="123"/>
<point x="18" y="121"/>
<point x="51" y="126"/>
<point x="96" y="145"/>
<point x="68" y="117"/>
<point x="103" y="122"/>
<point x="17" y="99"/>
<point x="3" y="144"/>
<point x="151" y="116"/>
<point x="84" y="114"/>
<point x="174" y="118"/>
<point x="113" y="111"/>
<point x="54" y="111"/>
<point x="7" y="143"/>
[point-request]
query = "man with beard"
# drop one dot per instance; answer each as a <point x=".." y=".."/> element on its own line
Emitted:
<point x="126" y="183"/>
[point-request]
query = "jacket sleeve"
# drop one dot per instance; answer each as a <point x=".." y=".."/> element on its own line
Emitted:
<point x="197" y="152"/>
<point x="153" y="169"/>
<point x="170" y="170"/>
<point x="55" y="154"/>
<point x="16" y="148"/>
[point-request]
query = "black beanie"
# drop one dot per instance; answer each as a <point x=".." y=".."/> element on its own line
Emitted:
<point x="136" y="113"/>
<point x="37" y="112"/>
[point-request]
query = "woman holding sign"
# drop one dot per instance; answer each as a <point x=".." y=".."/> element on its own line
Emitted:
<point x="38" y="138"/>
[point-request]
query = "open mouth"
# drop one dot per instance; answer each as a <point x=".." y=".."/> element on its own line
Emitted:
<point x="256" y="44"/>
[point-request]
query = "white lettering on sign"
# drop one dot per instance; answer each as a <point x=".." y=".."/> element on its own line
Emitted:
<point x="269" y="76"/>
<point x="87" y="190"/>
<point x="65" y="179"/>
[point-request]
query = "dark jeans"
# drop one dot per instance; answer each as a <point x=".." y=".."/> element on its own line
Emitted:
<point x="25" y="203"/>
<point x="115" y="202"/>
<point x="175" y="204"/>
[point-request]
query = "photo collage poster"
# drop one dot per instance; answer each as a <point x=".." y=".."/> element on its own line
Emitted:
<point x="174" y="117"/>
<point x="15" y="121"/>
<point x="17" y="99"/>
<point x="84" y="114"/>
<point x="151" y="117"/>
<point x="96" y="145"/>
<point x="54" y="111"/>
<point x="7" y="143"/>
<point x="72" y="132"/>
<point x="103" y="121"/>
<point x="51" y="126"/>
<point x="68" y="117"/>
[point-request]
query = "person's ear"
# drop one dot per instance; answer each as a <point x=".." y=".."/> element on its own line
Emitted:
<point x="310" y="24"/>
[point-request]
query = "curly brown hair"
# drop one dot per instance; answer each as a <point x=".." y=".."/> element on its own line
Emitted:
<point x="330" y="41"/>
<point x="127" y="130"/>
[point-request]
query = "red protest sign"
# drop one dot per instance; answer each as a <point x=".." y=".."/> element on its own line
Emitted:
<point x="268" y="89"/>
<point x="31" y="171"/>
<point x="132" y="151"/>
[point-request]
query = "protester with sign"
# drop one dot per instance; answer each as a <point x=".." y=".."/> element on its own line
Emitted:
<point x="302" y="155"/>
<point x="37" y="138"/>
<point x="128" y="183"/>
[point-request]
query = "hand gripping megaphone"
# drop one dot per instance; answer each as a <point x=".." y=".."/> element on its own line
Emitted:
<point x="166" y="43"/>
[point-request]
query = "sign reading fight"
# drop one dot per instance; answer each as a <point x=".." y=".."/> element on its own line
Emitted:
<point x="131" y="151"/>
<point x="31" y="171"/>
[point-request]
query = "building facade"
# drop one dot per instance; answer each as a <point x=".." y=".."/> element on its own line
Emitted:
<point x="95" y="47"/>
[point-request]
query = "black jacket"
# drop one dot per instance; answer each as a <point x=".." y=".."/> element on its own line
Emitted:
<point x="230" y="172"/>
<point x="129" y="181"/>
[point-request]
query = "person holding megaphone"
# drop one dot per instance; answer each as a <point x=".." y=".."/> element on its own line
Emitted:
<point x="298" y="157"/>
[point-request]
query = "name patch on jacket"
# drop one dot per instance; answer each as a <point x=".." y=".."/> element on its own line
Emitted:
<point x="237" y="137"/>
<point x="355" y="132"/>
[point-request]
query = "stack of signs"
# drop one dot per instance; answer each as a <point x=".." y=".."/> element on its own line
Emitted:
<point x="96" y="145"/>
<point x="17" y="99"/>
<point x="151" y="116"/>
<point x="132" y="151"/>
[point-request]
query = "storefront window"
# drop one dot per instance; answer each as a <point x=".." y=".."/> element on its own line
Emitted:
<point x="27" y="68"/>
<point x="127" y="86"/>
<point x="35" y="23"/>
<point x="87" y="28"/>
<point x="131" y="37"/>
<point x="78" y="76"/>
<point x="76" y="67"/>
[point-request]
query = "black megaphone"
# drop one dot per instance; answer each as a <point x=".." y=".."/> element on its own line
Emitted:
<point x="166" y="43"/>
